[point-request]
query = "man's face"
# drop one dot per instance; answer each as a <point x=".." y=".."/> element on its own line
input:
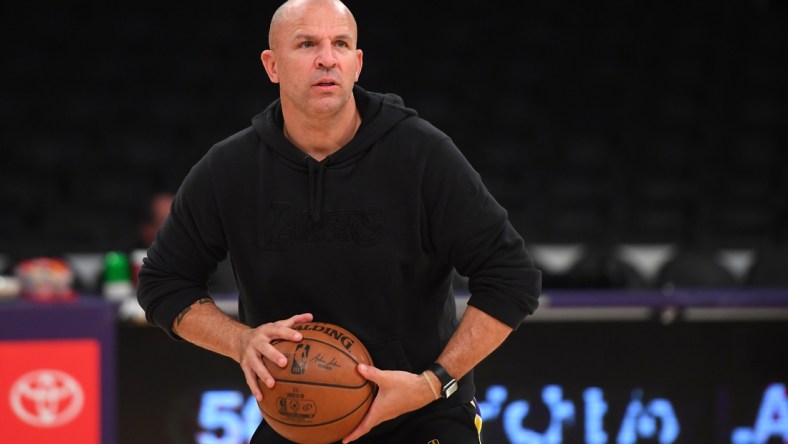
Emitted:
<point x="314" y="58"/>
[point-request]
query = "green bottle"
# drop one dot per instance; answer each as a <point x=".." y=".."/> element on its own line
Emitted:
<point x="117" y="277"/>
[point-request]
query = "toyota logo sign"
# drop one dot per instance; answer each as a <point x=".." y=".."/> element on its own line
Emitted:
<point x="46" y="398"/>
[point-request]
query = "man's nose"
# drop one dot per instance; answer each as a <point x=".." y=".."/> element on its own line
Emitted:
<point x="325" y="57"/>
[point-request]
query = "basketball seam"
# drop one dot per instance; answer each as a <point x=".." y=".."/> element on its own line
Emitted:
<point x="323" y="384"/>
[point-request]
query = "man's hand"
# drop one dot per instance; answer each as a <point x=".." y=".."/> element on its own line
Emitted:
<point x="205" y="325"/>
<point x="399" y="392"/>
<point x="255" y="344"/>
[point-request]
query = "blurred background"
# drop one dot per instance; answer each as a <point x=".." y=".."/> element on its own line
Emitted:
<point x="638" y="146"/>
<point x="593" y="123"/>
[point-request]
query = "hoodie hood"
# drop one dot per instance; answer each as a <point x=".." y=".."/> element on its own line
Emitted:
<point x="379" y="114"/>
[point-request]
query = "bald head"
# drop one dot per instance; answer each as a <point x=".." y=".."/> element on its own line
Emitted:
<point x="292" y="10"/>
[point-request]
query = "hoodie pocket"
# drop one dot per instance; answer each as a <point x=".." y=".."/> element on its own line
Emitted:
<point x="389" y="355"/>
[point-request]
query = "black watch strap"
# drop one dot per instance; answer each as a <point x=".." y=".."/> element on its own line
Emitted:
<point x="448" y="383"/>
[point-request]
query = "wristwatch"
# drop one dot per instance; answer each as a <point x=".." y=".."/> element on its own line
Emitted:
<point x="448" y="383"/>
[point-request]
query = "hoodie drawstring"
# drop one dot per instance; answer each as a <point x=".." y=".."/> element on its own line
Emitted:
<point x="316" y="172"/>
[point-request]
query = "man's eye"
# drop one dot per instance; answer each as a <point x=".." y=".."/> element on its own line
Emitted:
<point x="342" y="44"/>
<point x="306" y="44"/>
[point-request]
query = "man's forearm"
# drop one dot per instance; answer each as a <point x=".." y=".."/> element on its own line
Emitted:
<point x="206" y="326"/>
<point x="478" y="335"/>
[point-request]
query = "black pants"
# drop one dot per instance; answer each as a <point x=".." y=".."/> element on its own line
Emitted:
<point x="456" y="425"/>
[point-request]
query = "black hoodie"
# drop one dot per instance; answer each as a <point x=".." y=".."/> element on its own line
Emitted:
<point x="365" y="239"/>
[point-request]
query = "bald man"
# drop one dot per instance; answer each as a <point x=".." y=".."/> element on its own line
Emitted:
<point x="342" y="205"/>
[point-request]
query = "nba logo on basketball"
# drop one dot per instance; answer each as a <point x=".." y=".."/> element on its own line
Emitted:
<point x="299" y="359"/>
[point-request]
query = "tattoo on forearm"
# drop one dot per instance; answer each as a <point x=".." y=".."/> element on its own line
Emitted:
<point x="186" y="310"/>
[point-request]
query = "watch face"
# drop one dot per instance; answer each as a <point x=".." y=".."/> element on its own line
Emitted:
<point x="450" y="388"/>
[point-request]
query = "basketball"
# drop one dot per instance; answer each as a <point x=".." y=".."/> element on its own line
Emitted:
<point x="319" y="397"/>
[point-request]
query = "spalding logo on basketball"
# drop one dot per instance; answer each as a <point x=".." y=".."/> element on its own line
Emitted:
<point x="319" y="397"/>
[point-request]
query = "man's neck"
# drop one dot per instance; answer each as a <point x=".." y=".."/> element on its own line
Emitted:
<point x="321" y="137"/>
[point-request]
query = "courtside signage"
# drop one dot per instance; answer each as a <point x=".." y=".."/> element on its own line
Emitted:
<point x="50" y="391"/>
<point x="231" y="417"/>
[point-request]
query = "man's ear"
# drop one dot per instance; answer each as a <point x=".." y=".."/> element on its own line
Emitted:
<point x="269" y="63"/>
<point x="360" y="55"/>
